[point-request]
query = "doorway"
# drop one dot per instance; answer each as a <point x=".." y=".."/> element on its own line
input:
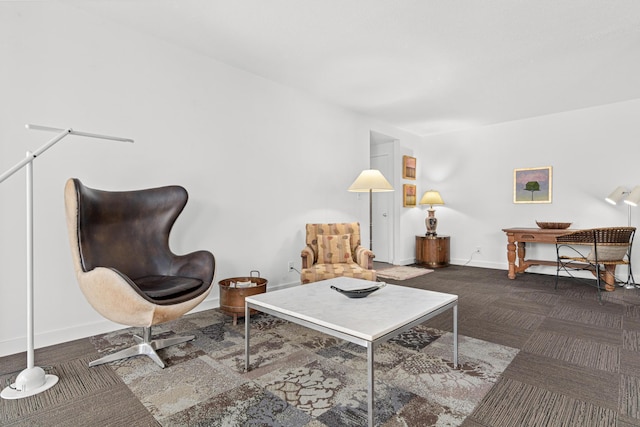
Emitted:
<point x="382" y="158"/>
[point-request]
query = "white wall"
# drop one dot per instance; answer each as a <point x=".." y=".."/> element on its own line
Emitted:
<point x="258" y="159"/>
<point x="592" y="151"/>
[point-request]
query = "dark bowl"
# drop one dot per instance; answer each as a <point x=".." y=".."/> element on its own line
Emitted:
<point x="359" y="293"/>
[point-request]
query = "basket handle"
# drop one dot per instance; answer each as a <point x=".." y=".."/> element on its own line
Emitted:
<point x="254" y="271"/>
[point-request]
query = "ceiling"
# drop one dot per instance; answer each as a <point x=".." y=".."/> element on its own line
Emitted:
<point x="425" y="66"/>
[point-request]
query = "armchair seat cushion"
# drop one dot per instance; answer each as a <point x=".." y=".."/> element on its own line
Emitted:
<point x="609" y="253"/>
<point x="319" y="272"/>
<point x="161" y="287"/>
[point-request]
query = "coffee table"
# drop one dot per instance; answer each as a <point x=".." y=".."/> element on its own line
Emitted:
<point x="364" y="321"/>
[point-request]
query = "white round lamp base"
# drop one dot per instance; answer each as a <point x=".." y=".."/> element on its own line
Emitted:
<point x="29" y="382"/>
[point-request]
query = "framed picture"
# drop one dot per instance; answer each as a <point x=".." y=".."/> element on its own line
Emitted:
<point x="409" y="195"/>
<point x="532" y="185"/>
<point x="408" y="167"/>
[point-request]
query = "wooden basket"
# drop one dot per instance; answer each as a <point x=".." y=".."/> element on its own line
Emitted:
<point x="232" y="298"/>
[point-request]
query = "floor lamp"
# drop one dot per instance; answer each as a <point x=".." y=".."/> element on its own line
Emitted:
<point x="621" y="194"/>
<point x="370" y="181"/>
<point x="33" y="379"/>
<point x="630" y="198"/>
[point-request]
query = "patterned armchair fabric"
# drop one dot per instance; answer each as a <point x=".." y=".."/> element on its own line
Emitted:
<point x="334" y="250"/>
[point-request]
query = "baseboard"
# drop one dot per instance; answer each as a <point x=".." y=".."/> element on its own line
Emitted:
<point x="58" y="336"/>
<point x="536" y="269"/>
<point x="406" y="261"/>
<point x="480" y="263"/>
<point x="48" y="338"/>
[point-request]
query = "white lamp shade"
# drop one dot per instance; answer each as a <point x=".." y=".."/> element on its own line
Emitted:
<point x="616" y="195"/>
<point x="431" y="197"/>
<point x="634" y="197"/>
<point x="370" y="179"/>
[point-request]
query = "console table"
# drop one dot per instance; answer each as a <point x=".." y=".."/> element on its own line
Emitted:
<point x="517" y="237"/>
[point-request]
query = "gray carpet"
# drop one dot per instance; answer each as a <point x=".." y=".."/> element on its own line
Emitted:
<point x="533" y="357"/>
<point x="578" y="360"/>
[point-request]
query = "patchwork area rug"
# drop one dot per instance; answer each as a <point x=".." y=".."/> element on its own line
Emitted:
<point x="402" y="272"/>
<point x="300" y="377"/>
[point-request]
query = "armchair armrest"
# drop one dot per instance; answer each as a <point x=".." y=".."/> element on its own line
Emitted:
<point x="364" y="257"/>
<point x="307" y="257"/>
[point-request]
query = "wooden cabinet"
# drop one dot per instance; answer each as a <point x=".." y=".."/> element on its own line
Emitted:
<point x="432" y="252"/>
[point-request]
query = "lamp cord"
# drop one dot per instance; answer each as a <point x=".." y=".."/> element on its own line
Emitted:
<point x="470" y="258"/>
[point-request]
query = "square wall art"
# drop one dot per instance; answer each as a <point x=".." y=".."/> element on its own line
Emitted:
<point x="532" y="185"/>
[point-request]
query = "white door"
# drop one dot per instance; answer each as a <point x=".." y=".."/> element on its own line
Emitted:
<point x="383" y="208"/>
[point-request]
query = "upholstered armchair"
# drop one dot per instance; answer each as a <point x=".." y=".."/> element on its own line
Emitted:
<point x="334" y="250"/>
<point x="125" y="269"/>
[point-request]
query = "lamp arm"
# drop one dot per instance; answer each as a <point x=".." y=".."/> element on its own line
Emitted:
<point x="31" y="156"/>
<point x="61" y="134"/>
<point x="79" y="133"/>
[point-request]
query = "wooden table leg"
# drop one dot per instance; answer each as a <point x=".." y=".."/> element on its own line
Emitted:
<point x="522" y="252"/>
<point x="511" y="257"/>
<point x="609" y="277"/>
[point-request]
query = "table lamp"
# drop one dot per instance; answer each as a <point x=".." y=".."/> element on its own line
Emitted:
<point x="431" y="197"/>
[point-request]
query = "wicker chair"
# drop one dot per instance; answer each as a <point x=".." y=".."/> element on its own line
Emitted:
<point x="599" y="250"/>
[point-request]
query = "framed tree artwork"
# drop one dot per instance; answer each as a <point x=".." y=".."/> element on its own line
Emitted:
<point x="532" y="185"/>
<point x="409" y="195"/>
<point x="408" y="167"/>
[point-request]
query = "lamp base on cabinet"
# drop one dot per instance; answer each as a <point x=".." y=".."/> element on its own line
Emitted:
<point x="431" y="222"/>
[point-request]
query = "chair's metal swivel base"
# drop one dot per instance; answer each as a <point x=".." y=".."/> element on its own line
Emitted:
<point x="145" y="346"/>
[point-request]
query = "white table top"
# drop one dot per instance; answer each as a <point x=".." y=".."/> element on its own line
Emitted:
<point x="368" y="318"/>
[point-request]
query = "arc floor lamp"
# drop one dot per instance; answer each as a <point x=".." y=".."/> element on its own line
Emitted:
<point x="370" y="181"/>
<point x="33" y="379"/>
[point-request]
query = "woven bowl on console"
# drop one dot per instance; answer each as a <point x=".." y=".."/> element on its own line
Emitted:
<point x="553" y="225"/>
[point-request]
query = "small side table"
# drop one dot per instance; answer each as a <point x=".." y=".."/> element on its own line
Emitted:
<point x="432" y="251"/>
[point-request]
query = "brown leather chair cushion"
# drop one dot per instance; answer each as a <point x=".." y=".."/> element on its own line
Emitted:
<point x="162" y="287"/>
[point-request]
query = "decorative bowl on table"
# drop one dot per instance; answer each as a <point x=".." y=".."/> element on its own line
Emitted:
<point x="359" y="293"/>
<point x="553" y="225"/>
